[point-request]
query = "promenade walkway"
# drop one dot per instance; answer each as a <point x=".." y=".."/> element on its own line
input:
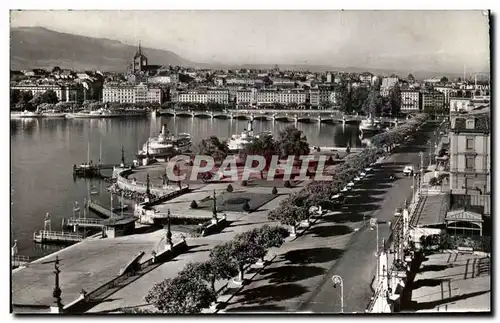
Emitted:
<point x="133" y="294"/>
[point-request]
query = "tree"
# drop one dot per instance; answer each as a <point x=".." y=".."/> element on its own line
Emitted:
<point x="194" y="205"/>
<point x="288" y="214"/>
<point x="271" y="237"/>
<point x="180" y="295"/>
<point x="274" y="191"/>
<point x="410" y="78"/>
<point x="395" y="99"/>
<point x="359" y="96"/>
<point x="292" y="142"/>
<point x="373" y="103"/>
<point x="263" y="146"/>
<point x="444" y="79"/>
<point x="229" y="188"/>
<point x="343" y="95"/>
<point x="245" y="250"/>
<point x="222" y="265"/>
<point x="15" y="97"/>
<point x="213" y="147"/>
<point x="56" y="69"/>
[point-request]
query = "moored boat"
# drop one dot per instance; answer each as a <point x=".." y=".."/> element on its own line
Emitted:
<point x="238" y="141"/>
<point x="165" y="145"/>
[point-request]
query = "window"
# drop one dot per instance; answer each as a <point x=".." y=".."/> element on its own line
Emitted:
<point x="470" y="124"/>
<point x="470" y="143"/>
<point x="469" y="162"/>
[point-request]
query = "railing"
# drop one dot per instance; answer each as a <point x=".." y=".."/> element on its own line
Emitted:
<point x="378" y="291"/>
<point x="74" y="221"/>
<point x="56" y="236"/>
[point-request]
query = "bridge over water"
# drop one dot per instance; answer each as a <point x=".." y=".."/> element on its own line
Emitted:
<point x="306" y="116"/>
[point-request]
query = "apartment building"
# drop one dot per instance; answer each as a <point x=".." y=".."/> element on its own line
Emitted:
<point x="387" y="84"/>
<point x="448" y="91"/>
<point x="129" y="93"/>
<point x="432" y="101"/>
<point x="470" y="159"/>
<point x="203" y="96"/>
<point x="410" y="101"/>
<point x="41" y="88"/>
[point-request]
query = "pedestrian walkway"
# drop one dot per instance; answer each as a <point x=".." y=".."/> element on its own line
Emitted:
<point x="132" y="295"/>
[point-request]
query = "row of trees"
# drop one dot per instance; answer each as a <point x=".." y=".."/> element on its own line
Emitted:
<point x="193" y="289"/>
<point x="368" y="100"/>
<point x="296" y="207"/>
<point x="25" y="100"/>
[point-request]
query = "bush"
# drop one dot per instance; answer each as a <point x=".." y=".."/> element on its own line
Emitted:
<point x="274" y="191"/>
<point x="337" y="156"/>
<point x="244" y="183"/>
<point x="288" y="184"/>
<point x="194" y="205"/>
<point x="246" y="206"/>
<point x="229" y="188"/>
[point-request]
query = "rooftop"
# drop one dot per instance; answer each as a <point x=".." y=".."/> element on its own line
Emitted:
<point x="482" y="123"/>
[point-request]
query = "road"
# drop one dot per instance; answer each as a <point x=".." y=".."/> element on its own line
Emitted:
<point x="356" y="267"/>
<point x="299" y="287"/>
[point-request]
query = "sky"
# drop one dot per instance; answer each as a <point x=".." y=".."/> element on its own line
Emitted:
<point x="409" y="40"/>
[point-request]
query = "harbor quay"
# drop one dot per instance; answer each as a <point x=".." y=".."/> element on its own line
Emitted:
<point x="89" y="265"/>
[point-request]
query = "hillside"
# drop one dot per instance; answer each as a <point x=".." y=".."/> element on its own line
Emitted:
<point x="37" y="47"/>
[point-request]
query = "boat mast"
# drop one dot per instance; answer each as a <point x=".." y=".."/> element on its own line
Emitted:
<point x="88" y="153"/>
<point x="100" y="152"/>
<point x="111" y="210"/>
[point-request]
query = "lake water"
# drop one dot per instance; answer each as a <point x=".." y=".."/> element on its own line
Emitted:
<point x="43" y="152"/>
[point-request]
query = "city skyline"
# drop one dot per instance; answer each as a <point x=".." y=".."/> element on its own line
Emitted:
<point x="443" y="41"/>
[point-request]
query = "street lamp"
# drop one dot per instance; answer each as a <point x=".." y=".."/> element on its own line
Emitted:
<point x="430" y="152"/>
<point x="336" y="279"/>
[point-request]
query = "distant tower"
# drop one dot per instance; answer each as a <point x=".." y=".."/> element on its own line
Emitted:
<point x="140" y="61"/>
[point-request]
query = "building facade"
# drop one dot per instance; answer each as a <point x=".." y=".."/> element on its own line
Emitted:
<point x="128" y="93"/>
<point x="203" y="96"/>
<point x="432" y="101"/>
<point x="410" y="101"/>
<point x="65" y="93"/>
<point x="470" y="159"/>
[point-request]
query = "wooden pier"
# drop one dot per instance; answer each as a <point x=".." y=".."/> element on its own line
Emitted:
<point x="101" y="210"/>
<point x="46" y="236"/>
<point x="83" y="223"/>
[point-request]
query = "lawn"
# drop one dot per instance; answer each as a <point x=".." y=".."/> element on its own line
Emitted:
<point x="234" y="201"/>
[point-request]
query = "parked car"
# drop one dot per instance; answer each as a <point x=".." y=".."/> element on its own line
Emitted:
<point x="408" y="171"/>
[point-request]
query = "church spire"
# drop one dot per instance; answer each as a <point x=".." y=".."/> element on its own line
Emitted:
<point x="140" y="49"/>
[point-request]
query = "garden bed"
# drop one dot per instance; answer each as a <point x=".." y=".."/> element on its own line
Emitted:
<point x="234" y="201"/>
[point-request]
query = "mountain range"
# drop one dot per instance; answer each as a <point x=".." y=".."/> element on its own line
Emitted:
<point x="39" y="47"/>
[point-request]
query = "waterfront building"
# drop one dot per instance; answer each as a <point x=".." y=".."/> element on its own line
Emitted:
<point x="314" y="100"/>
<point x="325" y="90"/>
<point x="65" y="93"/>
<point x="129" y="93"/>
<point x="220" y="96"/>
<point x="470" y="160"/>
<point x="410" y="101"/>
<point x="245" y="97"/>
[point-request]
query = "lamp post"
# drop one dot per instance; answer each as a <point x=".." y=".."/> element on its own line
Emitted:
<point x="336" y="279"/>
